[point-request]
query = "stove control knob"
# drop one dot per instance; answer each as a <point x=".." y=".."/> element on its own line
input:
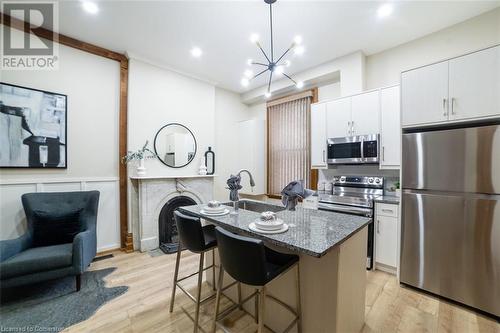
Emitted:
<point x="370" y="180"/>
<point x="377" y="180"/>
<point x="342" y="179"/>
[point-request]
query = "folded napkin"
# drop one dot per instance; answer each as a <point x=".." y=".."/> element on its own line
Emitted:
<point x="292" y="192"/>
<point x="233" y="184"/>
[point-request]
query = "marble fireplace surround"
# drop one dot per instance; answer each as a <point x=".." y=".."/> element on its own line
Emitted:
<point x="148" y="196"/>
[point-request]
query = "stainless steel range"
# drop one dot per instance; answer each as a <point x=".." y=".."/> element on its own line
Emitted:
<point x="354" y="195"/>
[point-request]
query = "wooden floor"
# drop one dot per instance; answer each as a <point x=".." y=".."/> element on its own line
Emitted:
<point x="144" y="307"/>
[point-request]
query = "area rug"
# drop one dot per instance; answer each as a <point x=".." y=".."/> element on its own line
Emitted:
<point x="54" y="305"/>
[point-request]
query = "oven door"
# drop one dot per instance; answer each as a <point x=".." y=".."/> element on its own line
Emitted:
<point x="347" y="150"/>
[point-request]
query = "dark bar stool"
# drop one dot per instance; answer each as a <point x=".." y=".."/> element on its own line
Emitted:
<point x="248" y="261"/>
<point x="196" y="239"/>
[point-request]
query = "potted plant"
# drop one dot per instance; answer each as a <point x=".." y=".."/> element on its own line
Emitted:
<point x="139" y="155"/>
<point x="398" y="190"/>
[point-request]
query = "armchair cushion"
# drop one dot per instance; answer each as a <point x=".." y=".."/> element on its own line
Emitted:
<point x="37" y="259"/>
<point x="59" y="227"/>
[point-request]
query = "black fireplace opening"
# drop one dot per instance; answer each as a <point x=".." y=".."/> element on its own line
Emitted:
<point x="169" y="239"/>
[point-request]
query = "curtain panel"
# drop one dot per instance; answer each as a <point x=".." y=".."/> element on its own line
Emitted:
<point x="289" y="156"/>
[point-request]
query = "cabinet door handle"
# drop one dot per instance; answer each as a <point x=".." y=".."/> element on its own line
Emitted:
<point x="387" y="210"/>
<point x="324" y="160"/>
<point x="352" y="126"/>
<point x="348" y="128"/>
<point x="383" y="153"/>
<point x="445" y="109"/>
<point x="453" y="105"/>
<point x="378" y="226"/>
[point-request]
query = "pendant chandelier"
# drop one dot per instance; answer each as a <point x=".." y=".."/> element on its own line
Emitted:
<point x="275" y="66"/>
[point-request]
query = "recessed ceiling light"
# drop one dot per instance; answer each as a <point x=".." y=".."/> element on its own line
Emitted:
<point x="90" y="7"/>
<point x="385" y="10"/>
<point x="196" y="52"/>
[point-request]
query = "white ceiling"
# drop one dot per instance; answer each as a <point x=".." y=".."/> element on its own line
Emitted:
<point x="163" y="32"/>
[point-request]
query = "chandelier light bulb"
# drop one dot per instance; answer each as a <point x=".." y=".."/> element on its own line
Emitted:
<point x="297" y="40"/>
<point x="245" y="82"/>
<point x="250" y="62"/>
<point x="278" y="70"/>
<point x="268" y="94"/>
<point x="299" y="50"/>
<point x="288" y="63"/>
<point x="248" y="73"/>
<point x="385" y="10"/>
<point x="299" y="84"/>
<point x="254" y="38"/>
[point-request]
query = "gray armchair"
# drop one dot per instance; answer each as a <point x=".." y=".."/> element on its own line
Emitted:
<point x="23" y="262"/>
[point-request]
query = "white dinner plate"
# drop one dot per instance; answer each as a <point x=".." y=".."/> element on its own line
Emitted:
<point x="268" y="225"/>
<point x="224" y="212"/>
<point x="253" y="227"/>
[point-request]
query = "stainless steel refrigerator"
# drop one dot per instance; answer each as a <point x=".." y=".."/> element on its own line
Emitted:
<point x="450" y="235"/>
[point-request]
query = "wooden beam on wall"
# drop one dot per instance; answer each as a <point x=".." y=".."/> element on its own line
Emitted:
<point x="125" y="235"/>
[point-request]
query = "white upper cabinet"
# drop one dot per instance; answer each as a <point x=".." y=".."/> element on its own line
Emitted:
<point x="425" y="95"/>
<point x="338" y="118"/>
<point x="463" y="88"/>
<point x="318" y="136"/>
<point x="365" y="113"/>
<point x="390" y="128"/>
<point x="475" y="85"/>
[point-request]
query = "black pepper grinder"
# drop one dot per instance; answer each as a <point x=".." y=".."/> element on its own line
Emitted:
<point x="210" y="161"/>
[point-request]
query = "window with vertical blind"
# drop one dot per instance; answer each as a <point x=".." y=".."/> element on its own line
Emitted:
<point x="289" y="127"/>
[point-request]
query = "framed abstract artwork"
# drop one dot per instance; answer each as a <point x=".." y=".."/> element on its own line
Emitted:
<point x="33" y="128"/>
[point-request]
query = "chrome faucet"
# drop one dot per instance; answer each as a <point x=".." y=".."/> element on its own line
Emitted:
<point x="252" y="184"/>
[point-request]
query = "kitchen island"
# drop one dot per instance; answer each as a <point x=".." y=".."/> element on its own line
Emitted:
<point x="332" y="251"/>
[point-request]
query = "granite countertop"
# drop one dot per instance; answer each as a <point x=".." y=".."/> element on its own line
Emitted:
<point x="311" y="232"/>
<point x="389" y="199"/>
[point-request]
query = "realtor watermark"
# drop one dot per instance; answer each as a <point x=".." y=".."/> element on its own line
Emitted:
<point x="28" y="41"/>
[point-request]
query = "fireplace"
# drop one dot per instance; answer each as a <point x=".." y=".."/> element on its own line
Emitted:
<point x="167" y="227"/>
<point x="153" y="201"/>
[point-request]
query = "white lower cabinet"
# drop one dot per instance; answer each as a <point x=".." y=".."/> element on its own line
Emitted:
<point x="386" y="237"/>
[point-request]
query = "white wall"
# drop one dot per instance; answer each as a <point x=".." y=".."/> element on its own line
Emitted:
<point x="228" y="112"/>
<point x="329" y="92"/>
<point x="92" y="84"/>
<point x="384" y="68"/>
<point x="158" y="97"/>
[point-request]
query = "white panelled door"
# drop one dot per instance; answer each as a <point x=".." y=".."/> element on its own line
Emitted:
<point x="338" y="118"/>
<point x="425" y="95"/>
<point x="475" y="85"/>
<point x="390" y="128"/>
<point x="365" y="113"/>
<point x="318" y="135"/>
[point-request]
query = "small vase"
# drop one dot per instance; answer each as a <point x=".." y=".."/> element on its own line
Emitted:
<point x="202" y="171"/>
<point x="141" y="169"/>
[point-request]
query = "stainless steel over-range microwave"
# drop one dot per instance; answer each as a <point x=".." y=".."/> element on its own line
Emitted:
<point x="359" y="149"/>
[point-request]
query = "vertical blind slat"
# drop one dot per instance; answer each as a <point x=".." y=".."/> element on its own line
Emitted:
<point x="289" y="137"/>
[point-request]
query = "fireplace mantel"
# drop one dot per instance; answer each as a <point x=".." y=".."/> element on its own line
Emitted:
<point x="148" y="195"/>
<point x="170" y="177"/>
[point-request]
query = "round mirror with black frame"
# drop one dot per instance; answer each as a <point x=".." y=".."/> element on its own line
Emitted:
<point x="175" y="145"/>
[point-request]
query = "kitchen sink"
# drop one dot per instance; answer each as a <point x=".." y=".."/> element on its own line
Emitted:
<point x="256" y="206"/>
